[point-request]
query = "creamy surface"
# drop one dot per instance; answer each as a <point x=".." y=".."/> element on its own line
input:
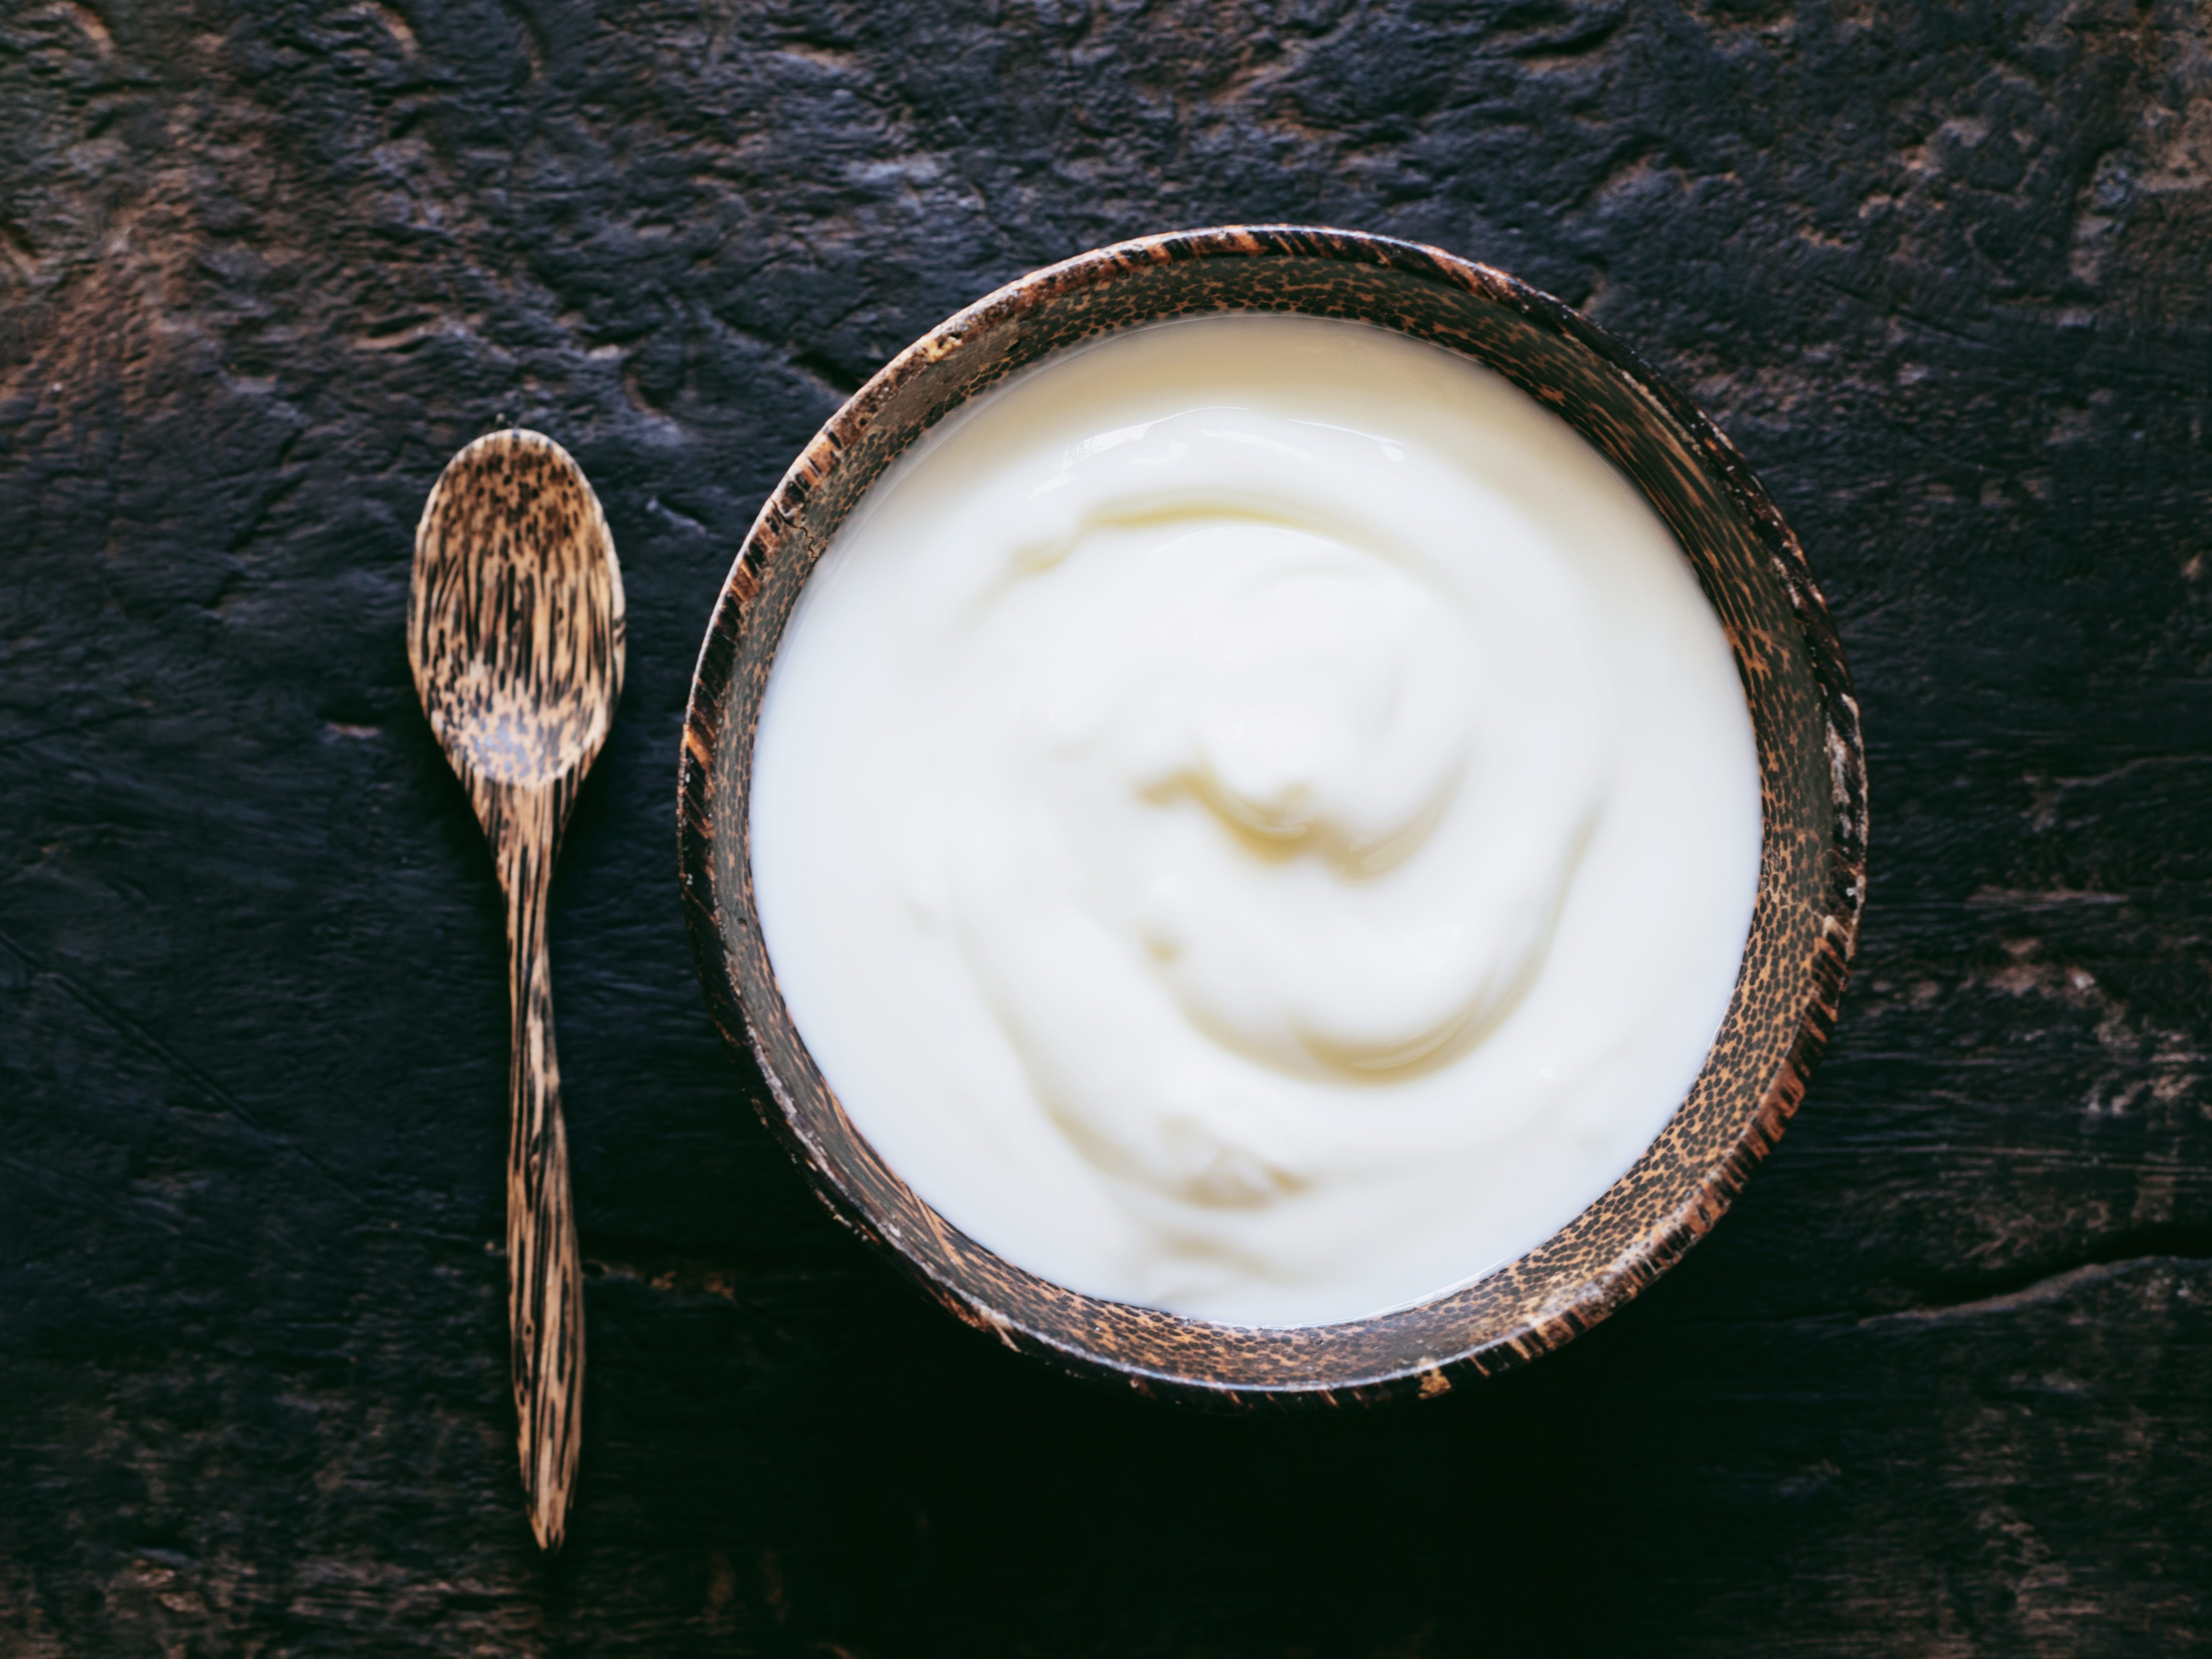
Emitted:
<point x="1254" y="816"/>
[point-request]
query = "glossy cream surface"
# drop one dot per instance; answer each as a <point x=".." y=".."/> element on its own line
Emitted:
<point x="1254" y="816"/>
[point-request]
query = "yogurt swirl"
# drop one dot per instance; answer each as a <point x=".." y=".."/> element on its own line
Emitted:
<point x="1190" y="820"/>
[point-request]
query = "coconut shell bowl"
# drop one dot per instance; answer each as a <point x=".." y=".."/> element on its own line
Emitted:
<point x="1812" y="769"/>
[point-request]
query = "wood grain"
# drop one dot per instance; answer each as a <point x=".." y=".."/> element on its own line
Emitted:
<point x="515" y="633"/>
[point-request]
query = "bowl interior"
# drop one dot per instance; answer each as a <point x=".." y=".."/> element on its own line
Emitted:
<point x="1812" y="778"/>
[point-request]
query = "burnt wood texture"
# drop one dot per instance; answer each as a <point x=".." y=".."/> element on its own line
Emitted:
<point x="514" y="633"/>
<point x="1813" y="789"/>
<point x="1940" y="1384"/>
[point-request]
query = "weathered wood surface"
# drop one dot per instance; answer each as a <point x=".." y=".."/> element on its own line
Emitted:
<point x="1942" y="1382"/>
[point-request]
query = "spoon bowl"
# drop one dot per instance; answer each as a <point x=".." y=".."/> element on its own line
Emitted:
<point x="515" y="626"/>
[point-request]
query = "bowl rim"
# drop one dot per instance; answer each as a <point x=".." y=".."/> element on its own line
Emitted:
<point x="1596" y="1296"/>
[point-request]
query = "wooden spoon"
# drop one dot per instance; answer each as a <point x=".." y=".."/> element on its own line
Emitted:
<point x="514" y="629"/>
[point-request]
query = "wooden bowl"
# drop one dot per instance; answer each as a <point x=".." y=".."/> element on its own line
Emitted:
<point x="1812" y="773"/>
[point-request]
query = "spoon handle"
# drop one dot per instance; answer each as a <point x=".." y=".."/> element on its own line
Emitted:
<point x="544" y="1272"/>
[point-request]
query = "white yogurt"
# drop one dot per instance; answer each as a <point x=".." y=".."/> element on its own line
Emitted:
<point x="1254" y="816"/>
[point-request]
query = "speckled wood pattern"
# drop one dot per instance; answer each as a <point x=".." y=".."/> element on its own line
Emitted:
<point x="515" y="633"/>
<point x="1813" y="779"/>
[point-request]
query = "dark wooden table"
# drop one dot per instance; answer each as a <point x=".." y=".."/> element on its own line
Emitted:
<point x="1942" y="1385"/>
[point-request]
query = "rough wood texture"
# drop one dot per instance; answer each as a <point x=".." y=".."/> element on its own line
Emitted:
<point x="1941" y="1385"/>
<point x="1812" y="786"/>
<point x="514" y="633"/>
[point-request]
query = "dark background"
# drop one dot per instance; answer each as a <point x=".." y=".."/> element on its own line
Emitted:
<point x="1941" y="1385"/>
